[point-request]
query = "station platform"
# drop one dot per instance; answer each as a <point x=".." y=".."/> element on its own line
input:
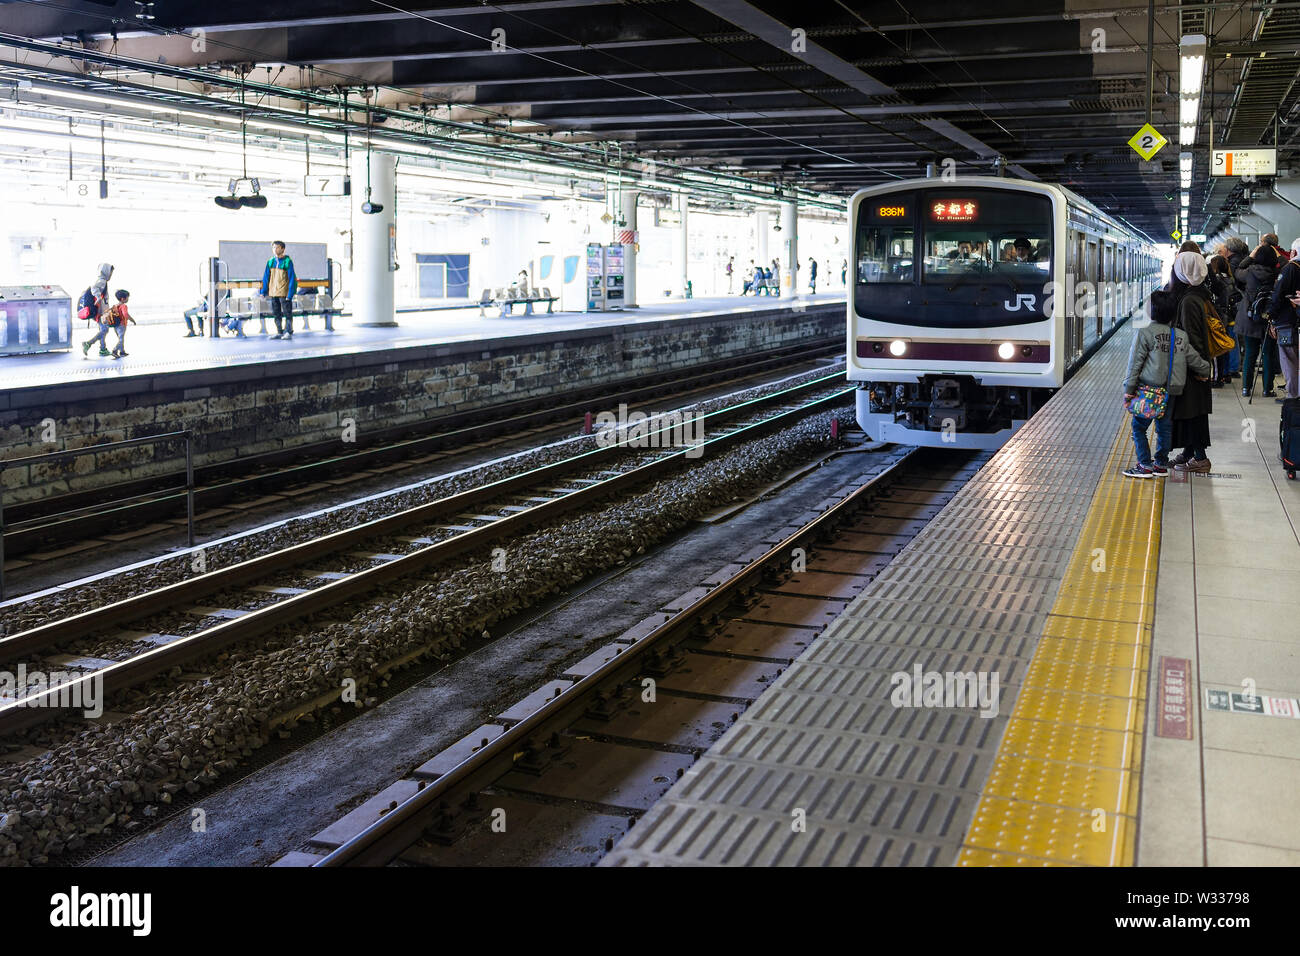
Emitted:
<point x="1120" y="617"/>
<point x="155" y="349"/>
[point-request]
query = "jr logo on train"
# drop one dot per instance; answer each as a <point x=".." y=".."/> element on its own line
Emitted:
<point x="974" y="300"/>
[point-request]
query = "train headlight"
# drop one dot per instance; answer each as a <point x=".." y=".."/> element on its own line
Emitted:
<point x="897" y="347"/>
<point x="1006" y="350"/>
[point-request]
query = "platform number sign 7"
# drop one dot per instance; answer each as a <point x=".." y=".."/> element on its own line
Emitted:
<point x="324" y="186"/>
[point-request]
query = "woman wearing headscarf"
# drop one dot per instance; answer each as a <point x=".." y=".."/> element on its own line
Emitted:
<point x="1282" y="310"/>
<point x="1258" y="271"/>
<point x="1192" y="408"/>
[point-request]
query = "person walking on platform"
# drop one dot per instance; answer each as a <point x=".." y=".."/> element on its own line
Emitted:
<point x="1285" y="322"/>
<point x="812" y="275"/>
<point x="281" y="284"/>
<point x="1193" y="407"/>
<point x="1257" y="272"/>
<point x="98" y="305"/>
<point x="98" y="308"/>
<point x="1160" y="358"/>
<point x="731" y="269"/>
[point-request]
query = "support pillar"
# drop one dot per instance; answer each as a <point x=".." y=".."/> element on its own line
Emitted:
<point x="372" y="241"/>
<point x="683" y="245"/>
<point x="790" y="279"/>
<point x="762" y="227"/>
<point x="627" y="212"/>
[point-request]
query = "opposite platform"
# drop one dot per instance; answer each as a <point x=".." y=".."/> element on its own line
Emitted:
<point x="159" y="350"/>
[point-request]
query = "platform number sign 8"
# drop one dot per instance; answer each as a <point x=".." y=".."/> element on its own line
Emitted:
<point x="85" y="190"/>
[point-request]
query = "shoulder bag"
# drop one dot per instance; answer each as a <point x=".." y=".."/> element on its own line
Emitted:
<point x="1151" y="402"/>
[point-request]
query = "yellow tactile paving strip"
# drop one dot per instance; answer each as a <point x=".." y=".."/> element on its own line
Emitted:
<point x="1064" y="786"/>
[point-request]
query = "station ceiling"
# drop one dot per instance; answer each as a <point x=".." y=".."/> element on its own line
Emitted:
<point x="830" y="95"/>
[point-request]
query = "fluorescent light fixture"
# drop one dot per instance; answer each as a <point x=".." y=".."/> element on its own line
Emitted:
<point x="1185" y="161"/>
<point x="1191" y="64"/>
<point x="1191" y="76"/>
<point x="1186" y="200"/>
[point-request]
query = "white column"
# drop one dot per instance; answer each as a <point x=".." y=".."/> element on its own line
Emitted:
<point x="627" y="211"/>
<point x="683" y="244"/>
<point x="790" y="280"/>
<point x="372" y="276"/>
<point x="761" y="228"/>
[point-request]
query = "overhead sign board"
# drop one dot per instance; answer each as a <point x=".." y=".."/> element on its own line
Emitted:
<point x="1243" y="162"/>
<point x="667" y="217"/>
<point x="326" y="185"/>
<point x="1147" y="141"/>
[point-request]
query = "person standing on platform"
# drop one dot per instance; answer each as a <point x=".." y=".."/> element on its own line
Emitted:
<point x="1282" y="311"/>
<point x="1219" y="284"/>
<point x="812" y="275"/>
<point x="281" y="284"/>
<point x="1160" y="358"/>
<point x="844" y="273"/>
<point x="1193" y="407"/>
<point x="730" y="269"/>
<point x="1258" y="272"/>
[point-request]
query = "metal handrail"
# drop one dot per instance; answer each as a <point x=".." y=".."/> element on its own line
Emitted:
<point x="71" y="453"/>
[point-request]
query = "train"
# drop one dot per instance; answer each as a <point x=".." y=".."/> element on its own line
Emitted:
<point x="974" y="300"/>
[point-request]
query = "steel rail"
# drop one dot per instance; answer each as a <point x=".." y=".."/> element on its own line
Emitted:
<point x="32" y="709"/>
<point x="384" y="840"/>
<point x="32" y="525"/>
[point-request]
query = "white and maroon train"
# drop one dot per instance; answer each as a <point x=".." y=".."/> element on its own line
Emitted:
<point x="974" y="300"/>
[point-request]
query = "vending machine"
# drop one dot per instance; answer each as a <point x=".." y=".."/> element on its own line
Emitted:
<point x="34" y="318"/>
<point x="604" y="277"/>
<point x="595" y="277"/>
<point x="614" y="276"/>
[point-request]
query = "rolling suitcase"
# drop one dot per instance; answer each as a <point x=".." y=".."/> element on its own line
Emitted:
<point x="1289" y="433"/>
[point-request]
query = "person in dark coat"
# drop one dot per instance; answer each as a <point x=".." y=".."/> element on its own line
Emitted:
<point x="1192" y="408"/>
<point x="1220" y="286"/>
<point x="1257" y="272"/>
<point x="1282" y="310"/>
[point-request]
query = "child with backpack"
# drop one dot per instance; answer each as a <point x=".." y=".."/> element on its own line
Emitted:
<point x="117" y="317"/>
<point x="1157" y="373"/>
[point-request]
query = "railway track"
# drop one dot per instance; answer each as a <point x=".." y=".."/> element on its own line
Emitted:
<point x="373" y="555"/>
<point x="59" y="519"/>
<point x="557" y="778"/>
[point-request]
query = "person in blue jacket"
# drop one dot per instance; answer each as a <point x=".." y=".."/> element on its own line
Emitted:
<point x="281" y="284"/>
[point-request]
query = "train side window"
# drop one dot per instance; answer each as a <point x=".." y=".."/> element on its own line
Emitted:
<point x="885" y="253"/>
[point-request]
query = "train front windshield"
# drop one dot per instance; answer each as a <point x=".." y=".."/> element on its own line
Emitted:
<point x="949" y="240"/>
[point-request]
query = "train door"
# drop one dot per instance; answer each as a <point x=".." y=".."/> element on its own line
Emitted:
<point x="1071" y="312"/>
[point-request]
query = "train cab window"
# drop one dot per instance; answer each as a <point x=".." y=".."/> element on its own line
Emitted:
<point x="986" y="235"/>
<point x="885" y="240"/>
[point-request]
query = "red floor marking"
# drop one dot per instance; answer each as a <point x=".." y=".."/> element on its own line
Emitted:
<point x="1175" y="717"/>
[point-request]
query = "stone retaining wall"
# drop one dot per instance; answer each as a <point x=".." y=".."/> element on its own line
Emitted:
<point x="252" y="409"/>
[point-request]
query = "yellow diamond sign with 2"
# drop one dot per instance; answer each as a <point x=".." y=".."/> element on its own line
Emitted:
<point x="1176" y="235"/>
<point x="1147" y="141"/>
